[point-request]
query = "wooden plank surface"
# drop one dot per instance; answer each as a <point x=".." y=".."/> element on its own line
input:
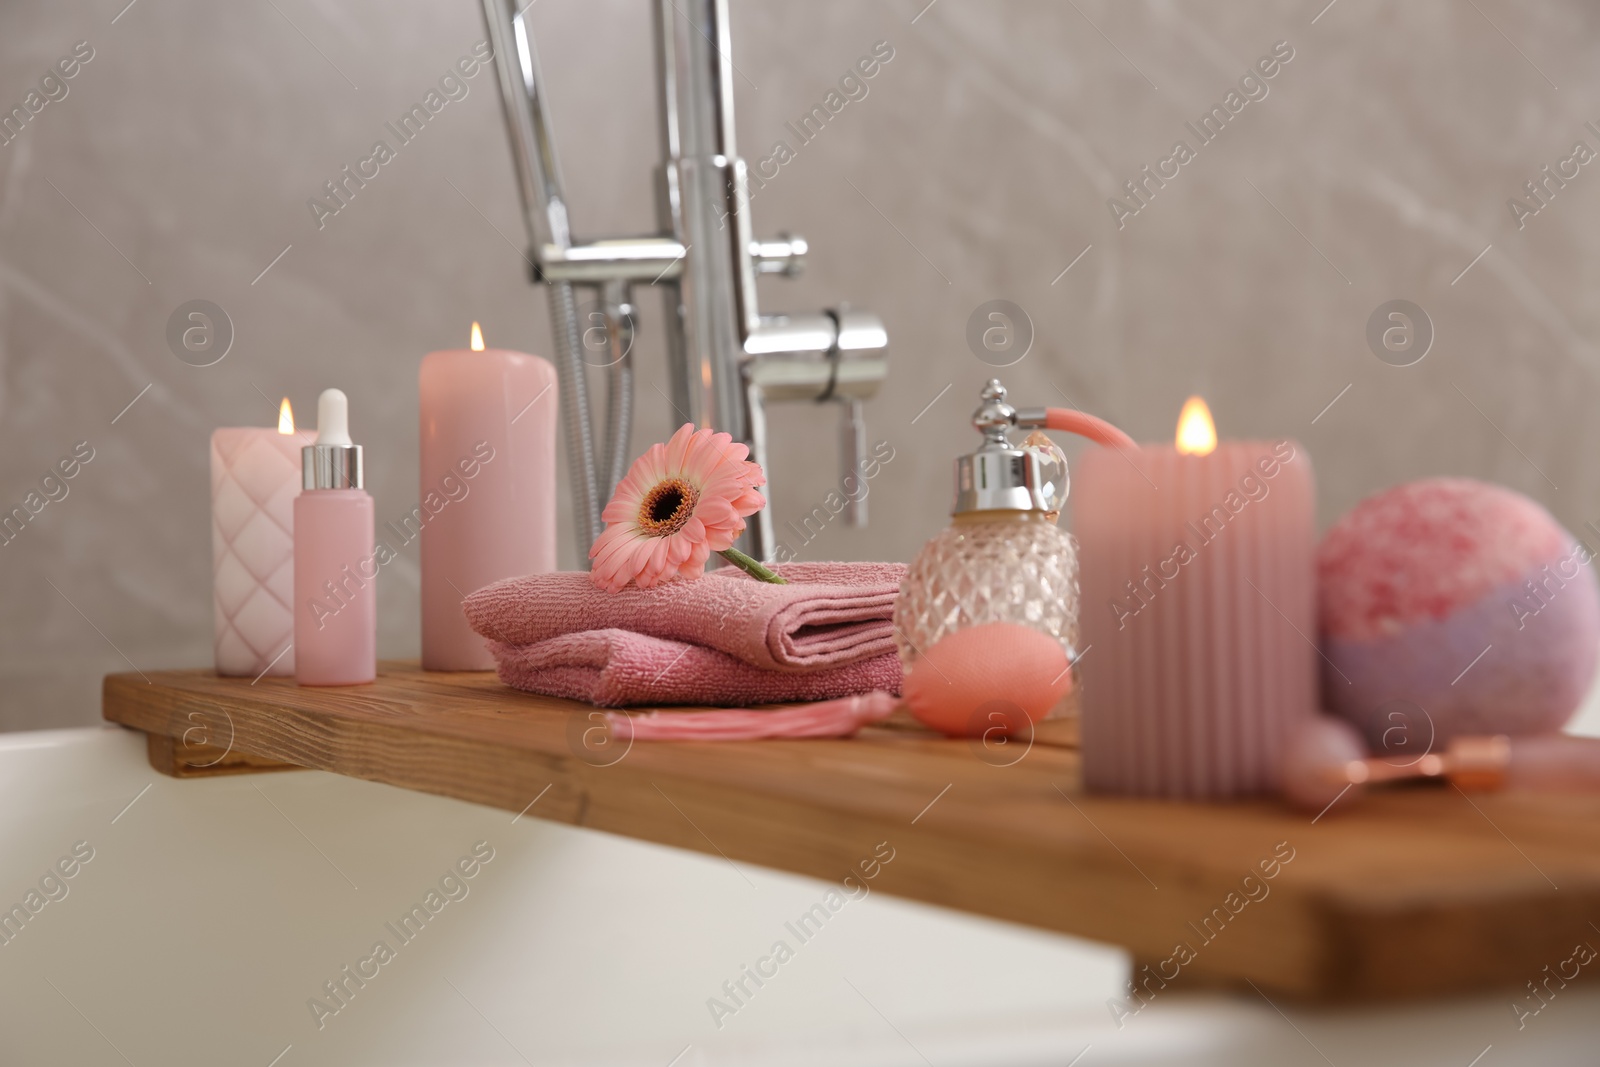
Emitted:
<point x="190" y="757"/>
<point x="1412" y="892"/>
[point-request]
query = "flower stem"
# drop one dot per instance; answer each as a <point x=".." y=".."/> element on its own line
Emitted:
<point x="754" y="568"/>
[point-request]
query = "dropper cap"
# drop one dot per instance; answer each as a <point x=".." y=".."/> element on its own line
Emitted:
<point x="333" y="462"/>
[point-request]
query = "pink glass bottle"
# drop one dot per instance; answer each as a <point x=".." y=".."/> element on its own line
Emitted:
<point x="487" y="506"/>
<point x="335" y="564"/>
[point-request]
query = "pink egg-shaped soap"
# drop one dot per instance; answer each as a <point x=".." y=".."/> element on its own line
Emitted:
<point x="997" y="675"/>
<point x="1452" y="607"/>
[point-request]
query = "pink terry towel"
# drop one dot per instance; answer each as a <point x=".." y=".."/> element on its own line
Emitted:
<point x="618" y="668"/>
<point x="830" y="615"/>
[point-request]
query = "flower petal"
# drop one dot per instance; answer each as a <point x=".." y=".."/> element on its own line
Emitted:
<point x="619" y="566"/>
<point x="609" y="538"/>
<point x="676" y="449"/>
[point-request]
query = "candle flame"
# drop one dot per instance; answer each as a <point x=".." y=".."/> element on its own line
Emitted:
<point x="1197" y="434"/>
<point x="477" y="338"/>
<point x="285" y="417"/>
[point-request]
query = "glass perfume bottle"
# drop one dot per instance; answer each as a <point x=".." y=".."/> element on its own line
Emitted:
<point x="1002" y="558"/>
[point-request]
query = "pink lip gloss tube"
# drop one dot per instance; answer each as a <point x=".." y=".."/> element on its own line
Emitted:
<point x="487" y="502"/>
<point x="336" y="565"/>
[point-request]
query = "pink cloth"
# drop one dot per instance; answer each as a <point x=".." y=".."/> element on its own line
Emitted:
<point x="616" y="668"/>
<point x="830" y="615"/>
<point x="833" y="718"/>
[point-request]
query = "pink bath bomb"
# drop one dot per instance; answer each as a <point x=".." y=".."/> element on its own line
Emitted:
<point x="1453" y="607"/>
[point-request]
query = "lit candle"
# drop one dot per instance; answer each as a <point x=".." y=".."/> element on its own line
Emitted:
<point x="255" y="476"/>
<point x="487" y="501"/>
<point x="1198" y="611"/>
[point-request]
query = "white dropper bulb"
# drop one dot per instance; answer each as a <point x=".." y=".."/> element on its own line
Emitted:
<point x="333" y="418"/>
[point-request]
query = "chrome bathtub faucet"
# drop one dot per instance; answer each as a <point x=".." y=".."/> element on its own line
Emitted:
<point x="726" y="360"/>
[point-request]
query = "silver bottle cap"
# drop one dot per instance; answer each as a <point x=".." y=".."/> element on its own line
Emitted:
<point x="331" y="467"/>
<point x="334" y="461"/>
<point x="1001" y="476"/>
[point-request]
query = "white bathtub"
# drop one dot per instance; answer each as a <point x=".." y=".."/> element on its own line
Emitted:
<point x="213" y="911"/>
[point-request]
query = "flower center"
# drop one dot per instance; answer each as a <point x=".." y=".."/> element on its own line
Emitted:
<point x="667" y="507"/>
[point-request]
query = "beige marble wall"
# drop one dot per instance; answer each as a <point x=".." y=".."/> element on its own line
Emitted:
<point x="1377" y="166"/>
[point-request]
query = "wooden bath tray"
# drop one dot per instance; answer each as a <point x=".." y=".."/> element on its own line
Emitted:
<point x="1413" y="892"/>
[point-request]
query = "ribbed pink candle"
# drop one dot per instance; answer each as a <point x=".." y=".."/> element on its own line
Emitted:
<point x="255" y="476"/>
<point x="1198" y="613"/>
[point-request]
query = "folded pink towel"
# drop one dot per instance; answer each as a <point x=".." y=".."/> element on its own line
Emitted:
<point x="618" y="668"/>
<point x="830" y="615"/>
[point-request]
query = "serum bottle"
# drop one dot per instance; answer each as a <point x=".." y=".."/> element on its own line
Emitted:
<point x="335" y="565"/>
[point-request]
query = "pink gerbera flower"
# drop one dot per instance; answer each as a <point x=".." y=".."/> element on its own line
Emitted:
<point x="679" y="503"/>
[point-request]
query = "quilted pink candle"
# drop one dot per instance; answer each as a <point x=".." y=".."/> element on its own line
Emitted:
<point x="255" y="476"/>
<point x="487" y="502"/>
<point x="1198" y="612"/>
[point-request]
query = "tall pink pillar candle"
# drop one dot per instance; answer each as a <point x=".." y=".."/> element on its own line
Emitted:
<point x="1198" y="613"/>
<point x="488" y="492"/>
<point x="255" y="476"/>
